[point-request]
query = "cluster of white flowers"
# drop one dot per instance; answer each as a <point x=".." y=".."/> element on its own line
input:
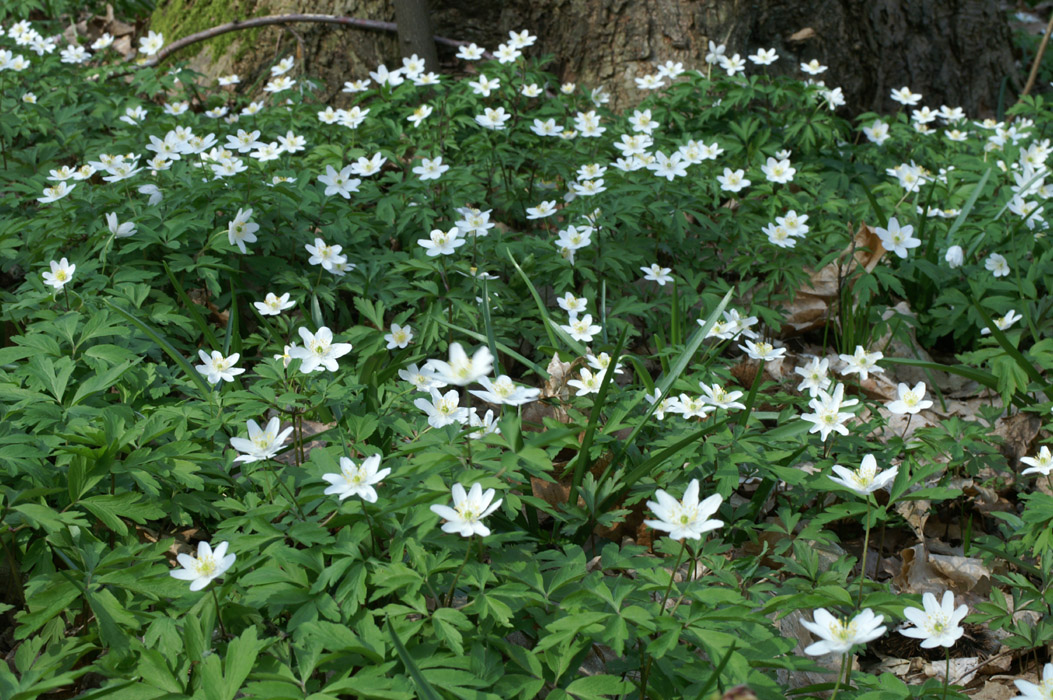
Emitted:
<point x="633" y="149"/>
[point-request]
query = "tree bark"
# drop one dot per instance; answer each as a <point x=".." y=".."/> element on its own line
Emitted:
<point x="954" y="52"/>
<point x="415" y="30"/>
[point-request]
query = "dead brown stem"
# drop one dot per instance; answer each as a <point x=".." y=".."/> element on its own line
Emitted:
<point x="1038" y="59"/>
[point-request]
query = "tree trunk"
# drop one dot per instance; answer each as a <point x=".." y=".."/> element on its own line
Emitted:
<point x="415" y="31"/>
<point x="954" y="52"/>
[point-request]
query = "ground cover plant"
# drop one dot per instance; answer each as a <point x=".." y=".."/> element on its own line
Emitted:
<point x="472" y="387"/>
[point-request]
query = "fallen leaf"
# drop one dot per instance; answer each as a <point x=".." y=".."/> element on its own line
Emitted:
<point x="995" y="690"/>
<point x="739" y="692"/>
<point x="1017" y="431"/>
<point x="915" y="513"/>
<point x="812" y="305"/>
<point x="963" y="671"/>
<point x="802" y="35"/>
<point x="559" y="373"/>
<point x="925" y="572"/>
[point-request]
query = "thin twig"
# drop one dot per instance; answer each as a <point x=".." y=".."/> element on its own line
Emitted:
<point x="1038" y="59"/>
<point x="370" y="24"/>
<point x="301" y="43"/>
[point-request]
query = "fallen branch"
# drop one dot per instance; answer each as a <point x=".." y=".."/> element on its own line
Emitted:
<point x="370" y="24"/>
<point x="1033" y="75"/>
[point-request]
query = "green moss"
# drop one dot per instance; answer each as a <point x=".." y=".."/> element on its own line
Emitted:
<point x="180" y="18"/>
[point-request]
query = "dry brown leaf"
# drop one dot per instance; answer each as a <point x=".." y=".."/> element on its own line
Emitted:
<point x="739" y="692"/>
<point x="802" y="35"/>
<point x="123" y="46"/>
<point x="915" y="513"/>
<point x="553" y="493"/>
<point x="790" y="627"/>
<point x="894" y="665"/>
<point x="1017" y="432"/>
<point x="963" y="671"/>
<point x="925" y="572"/>
<point x="814" y="300"/>
<point x="996" y="690"/>
<point x="118" y="28"/>
<point x="985" y="500"/>
<point x="559" y="373"/>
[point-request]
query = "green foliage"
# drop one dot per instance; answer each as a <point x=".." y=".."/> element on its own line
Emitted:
<point x="120" y="454"/>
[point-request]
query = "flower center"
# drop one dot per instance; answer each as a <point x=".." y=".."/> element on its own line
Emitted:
<point x="206" y="566"/>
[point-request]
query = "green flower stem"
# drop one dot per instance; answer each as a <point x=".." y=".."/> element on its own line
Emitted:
<point x="219" y="616"/>
<point x="288" y="493"/>
<point x="947" y="674"/>
<point x="866" y="545"/>
<point x="752" y="396"/>
<point x="645" y="671"/>
<point x="840" y="675"/>
<point x="672" y="575"/>
<point x="372" y="529"/>
<point x="457" y="576"/>
<point x="690" y="577"/>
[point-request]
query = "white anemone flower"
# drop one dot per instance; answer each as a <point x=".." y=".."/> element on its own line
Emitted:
<point x="207" y="566"/>
<point x="687" y="518"/>
<point x="356" y="480"/>
<point x="469" y="508"/>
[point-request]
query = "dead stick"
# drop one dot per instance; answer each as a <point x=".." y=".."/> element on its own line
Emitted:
<point x="1038" y="59"/>
<point x="370" y="24"/>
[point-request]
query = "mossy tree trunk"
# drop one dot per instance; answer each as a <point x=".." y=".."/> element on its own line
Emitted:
<point x="955" y="52"/>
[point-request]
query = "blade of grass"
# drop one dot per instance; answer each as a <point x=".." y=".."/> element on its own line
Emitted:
<point x="233" y="339"/>
<point x="977" y="375"/>
<point x="923" y="225"/>
<point x="715" y="676"/>
<point x="878" y="211"/>
<point x="191" y="307"/>
<point x="964" y="213"/>
<point x="423" y="686"/>
<point x="538" y="369"/>
<point x="674" y="315"/>
<point x="537" y="300"/>
<point x="1011" y="349"/>
<point x="594" y="418"/>
<point x="488" y="324"/>
<point x="603" y="309"/>
<point x="744" y="418"/>
<point x="192" y="374"/>
<point x="667" y="380"/>
<point x="648" y="465"/>
<point x="316" y="312"/>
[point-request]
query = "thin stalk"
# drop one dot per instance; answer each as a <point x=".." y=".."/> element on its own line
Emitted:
<point x="690" y="577"/>
<point x="16" y="573"/>
<point x="1033" y="75"/>
<point x="372" y="531"/>
<point x="947" y="674"/>
<point x="906" y="427"/>
<point x="288" y="492"/>
<point x="219" y="616"/>
<point x="453" y="584"/>
<point x="752" y="396"/>
<point x="645" y="671"/>
<point x="866" y="545"/>
<point x="672" y="575"/>
<point x="840" y="674"/>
